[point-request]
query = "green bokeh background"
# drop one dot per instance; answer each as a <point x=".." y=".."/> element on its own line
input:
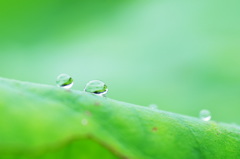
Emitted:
<point x="183" y="56"/>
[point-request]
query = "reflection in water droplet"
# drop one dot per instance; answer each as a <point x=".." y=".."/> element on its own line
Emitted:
<point x="153" y="106"/>
<point x="64" y="81"/>
<point x="205" y="115"/>
<point x="97" y="87"/>
<point x="84" y="121"/>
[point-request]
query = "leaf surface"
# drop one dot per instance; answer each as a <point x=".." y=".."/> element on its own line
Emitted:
<point x="41" y="121"/>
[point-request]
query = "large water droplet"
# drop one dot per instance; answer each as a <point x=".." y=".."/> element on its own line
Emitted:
<point x="97" y="87"/>
<point x="64" y="81"/>
<point x="205" y="115"/>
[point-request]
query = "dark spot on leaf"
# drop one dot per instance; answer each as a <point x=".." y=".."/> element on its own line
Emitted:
<point x="154" y="129"/>
<point x="97" y="103"/>
<point x="67" y="90"/>
<point x="88" y="113"/>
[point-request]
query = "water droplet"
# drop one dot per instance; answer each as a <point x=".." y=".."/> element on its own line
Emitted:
<point x="97" y="87"/>
<point x="205" y="115"/>
<point x="64" y="81"/>
<point x="153" y="106"/>
<point x="84" y="121"/>
<point x="235" y="125"/>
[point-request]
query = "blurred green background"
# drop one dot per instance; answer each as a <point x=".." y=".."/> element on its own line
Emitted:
<point x="183" y="56"/>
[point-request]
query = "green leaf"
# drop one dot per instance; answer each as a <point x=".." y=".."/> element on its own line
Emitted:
<point x="41" y="121"/>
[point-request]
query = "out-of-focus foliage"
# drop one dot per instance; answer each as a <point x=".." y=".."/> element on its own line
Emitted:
<point x="46" y="122"/>
<point x="182" y="55"/>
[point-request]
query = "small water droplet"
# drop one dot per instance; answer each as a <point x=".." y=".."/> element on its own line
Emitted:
<point x="153" y="106"/>
<point x="84" y="121"/>
<point x="205" y="115"/>
<point x="64" y="81"/>
<point x="97" y="87"/>
<point x="235" y="125"/>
